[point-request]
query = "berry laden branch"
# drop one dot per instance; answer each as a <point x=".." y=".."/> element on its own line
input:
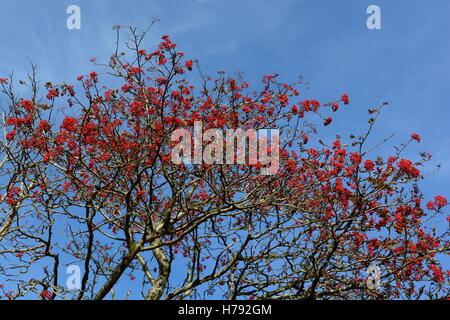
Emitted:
<point x="87" y="179"/>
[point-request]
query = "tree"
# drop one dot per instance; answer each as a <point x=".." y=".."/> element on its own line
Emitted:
<point x="88" y="179"/>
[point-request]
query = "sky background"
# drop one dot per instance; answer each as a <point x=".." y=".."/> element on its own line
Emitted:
<point x="327" y="42"/>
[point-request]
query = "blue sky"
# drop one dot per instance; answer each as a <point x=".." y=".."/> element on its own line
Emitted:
<point x="406" y="63"/>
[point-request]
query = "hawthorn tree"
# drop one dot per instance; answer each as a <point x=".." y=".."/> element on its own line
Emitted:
<point x="87" y="180"/>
